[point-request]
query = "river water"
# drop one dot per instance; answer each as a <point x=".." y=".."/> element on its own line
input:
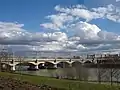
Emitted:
<point x="91" y="73"/>
<point x="87" y="73"/>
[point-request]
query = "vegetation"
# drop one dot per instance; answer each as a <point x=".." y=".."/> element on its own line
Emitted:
<point x="57" y="83"/>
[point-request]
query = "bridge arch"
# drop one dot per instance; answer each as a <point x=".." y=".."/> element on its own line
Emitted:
<point x="26" y="63"/>
<point x="87" y="62"/>
<point x="49" y="65"/>
<point x="63" y="64"/>
<point x="41" y="66"/>
<point x="76" y="63"/>
<point x="5" y="66"/>
<point x="25" y="66"/>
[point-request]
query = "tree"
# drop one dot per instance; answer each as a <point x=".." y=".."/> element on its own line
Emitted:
<point x="117" y="75"/>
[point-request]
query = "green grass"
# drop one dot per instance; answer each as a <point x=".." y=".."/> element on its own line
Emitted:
<point x="66" y="84"/>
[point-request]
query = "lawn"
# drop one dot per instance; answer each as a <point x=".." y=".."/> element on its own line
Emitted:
<point x="60" y="83"/>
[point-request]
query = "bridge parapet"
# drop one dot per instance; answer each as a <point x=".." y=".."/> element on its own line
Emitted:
<point x="38" y="61"/>
<point x="52" y="59"/>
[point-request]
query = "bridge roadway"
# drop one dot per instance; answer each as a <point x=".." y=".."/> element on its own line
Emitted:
<point x="37" y="62"/>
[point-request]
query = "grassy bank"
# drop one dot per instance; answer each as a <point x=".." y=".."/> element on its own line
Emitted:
<point x="65" y="84"/>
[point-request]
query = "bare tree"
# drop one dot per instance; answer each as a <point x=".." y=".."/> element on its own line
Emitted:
<point x="102" y="72"/>
<point x="5" y="56"/>
<point x="117" y="75"/>
<point x="107" y="68"/>
<point x="69" y="73"/>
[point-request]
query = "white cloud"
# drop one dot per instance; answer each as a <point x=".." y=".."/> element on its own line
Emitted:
<point x="83" y="35"/>
<point x="80" y="36"/>
<point x="59" y="36"/>
<point x="15" y="31"/>
<point x="107" y="35"/>
<point x="81" y="47"/>
<point x="81" y="29"/>
<point x="79" y="11"/>
<point x="110" y="12"/>
<point x="49" y="46"/>
<point x="85" y="30"/>
<point x="75" y="38"/>
<point x="12" y="31"/>
<point x="57" y="21"/>
<point x="117" y="0"/>
<point x="14" y="35"/>
<point x="50" y="26"/>
<point x="68" y="15"/>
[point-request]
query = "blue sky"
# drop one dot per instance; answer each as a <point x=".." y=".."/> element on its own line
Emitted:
<point x="32" y="13"/>
<point x="82" y="24"/>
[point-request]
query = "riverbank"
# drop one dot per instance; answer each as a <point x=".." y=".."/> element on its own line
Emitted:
<point x="58" y="83"/>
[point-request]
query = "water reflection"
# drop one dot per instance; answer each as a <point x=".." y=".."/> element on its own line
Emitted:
<point x="61" y="72"/>
<point x="80" y="73"/>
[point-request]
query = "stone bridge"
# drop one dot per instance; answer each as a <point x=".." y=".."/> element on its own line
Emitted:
<point x="55" y="63"/>
<point x="48" y="63"/>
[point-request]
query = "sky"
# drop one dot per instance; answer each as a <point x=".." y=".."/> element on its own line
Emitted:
<point x="60" y="25"/>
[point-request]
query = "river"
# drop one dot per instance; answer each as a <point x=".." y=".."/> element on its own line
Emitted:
<point x="86" y="73"/>
<point x="89" y="73"/>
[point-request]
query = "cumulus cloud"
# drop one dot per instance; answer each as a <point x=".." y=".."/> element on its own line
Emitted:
<point x="13" y="33"/>
<point x="79" y="11"/>
<point x="84" y="35"/>
<point x="110" y="12"/>
<point x="14" y="36"/>
<point x="57" y="21"/>
<point x="79" y="34"/>
<point x="71" y="14"/>
<point x="85" y="30"/>
<point x="117" y="0"/>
